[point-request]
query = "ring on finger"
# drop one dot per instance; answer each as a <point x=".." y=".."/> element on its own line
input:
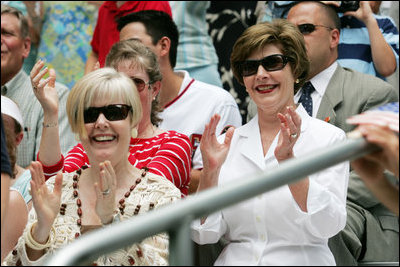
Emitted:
<point x="293" y="135"/>
<point x="106" y="192"/>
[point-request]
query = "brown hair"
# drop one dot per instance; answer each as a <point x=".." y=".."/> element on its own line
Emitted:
<point x="11" y="145"/>
<point x="279" y="32"/>
<point x="135" y="51"/>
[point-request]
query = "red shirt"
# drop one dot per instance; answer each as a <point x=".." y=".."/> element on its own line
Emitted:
<point x="106" y="33"/>
<point x="167" y="154"/>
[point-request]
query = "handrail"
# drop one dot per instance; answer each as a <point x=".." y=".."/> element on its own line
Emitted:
<point x="89" y="247"/>
<point x="378" y="263"/>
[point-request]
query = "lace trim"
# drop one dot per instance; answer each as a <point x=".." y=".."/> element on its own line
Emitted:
<point x="153" y="192"/>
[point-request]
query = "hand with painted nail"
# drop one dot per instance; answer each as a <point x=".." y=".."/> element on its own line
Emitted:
<point x="105" y="192"/>
<point x="289" y="134"/>
<point x="44" y="89"/>
<point x="371" y="167"/>
<point x="45" y="202"/>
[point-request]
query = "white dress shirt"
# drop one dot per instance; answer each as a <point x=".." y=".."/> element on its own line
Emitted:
<point x="320" y="83"/>
<point x="271" y="229"/>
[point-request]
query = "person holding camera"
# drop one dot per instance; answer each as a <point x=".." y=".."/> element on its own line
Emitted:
<point x="369" y="43"/>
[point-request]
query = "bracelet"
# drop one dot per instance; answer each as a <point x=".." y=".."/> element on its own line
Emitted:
<point x="51" y="124"/>
<point x="33" y="244"/>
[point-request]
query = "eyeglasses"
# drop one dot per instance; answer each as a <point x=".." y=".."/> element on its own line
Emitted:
<point x="308" y="28"/>
<point x="270" y="63"/>
<point x="140" y="84"/>
<point x="111" y="112"/>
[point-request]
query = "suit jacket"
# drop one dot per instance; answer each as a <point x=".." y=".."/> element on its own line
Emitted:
<point x="350" y="92"/>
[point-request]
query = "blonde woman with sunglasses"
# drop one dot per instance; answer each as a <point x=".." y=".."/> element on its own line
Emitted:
<point x="165" y="153"/>
<point x="110" y="190"/>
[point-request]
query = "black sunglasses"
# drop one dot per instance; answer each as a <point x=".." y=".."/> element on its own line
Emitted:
<point x="111" y="112"/>
<point x="270" y="63"/>
<point x="308" y="28"/>
<point x="140" y="84"/>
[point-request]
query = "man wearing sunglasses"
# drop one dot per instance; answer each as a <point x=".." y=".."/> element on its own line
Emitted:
<point x="369" y="42"/>
<point x="339" y="93"/>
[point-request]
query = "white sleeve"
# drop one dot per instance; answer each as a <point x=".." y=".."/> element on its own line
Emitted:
<point x="210" y="231"/>
<point x="326" y="200"/>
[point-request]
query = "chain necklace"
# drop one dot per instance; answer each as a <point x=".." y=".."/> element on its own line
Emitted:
<point x="121" y="201"/>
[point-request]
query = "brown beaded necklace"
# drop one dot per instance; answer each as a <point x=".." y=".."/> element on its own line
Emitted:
<point x="121" y="201"/>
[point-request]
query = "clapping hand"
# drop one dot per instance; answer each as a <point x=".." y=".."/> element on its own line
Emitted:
<point x="44" y="89"/>
<point x="105" y="192"/>
<point x="213" y="153"/>
<point x="290" y="132"/>
<point x="45" y="203"/>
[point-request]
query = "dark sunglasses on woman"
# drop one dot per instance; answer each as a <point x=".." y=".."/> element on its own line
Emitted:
<point x="111" y="112"/>
<point x="270" y="63"/>
<point x="308" y="28"/>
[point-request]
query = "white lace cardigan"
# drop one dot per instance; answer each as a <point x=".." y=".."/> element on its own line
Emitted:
<point x="151" y="251"/>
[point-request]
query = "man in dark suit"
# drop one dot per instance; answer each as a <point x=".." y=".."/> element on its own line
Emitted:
<point x="336" y="93"/>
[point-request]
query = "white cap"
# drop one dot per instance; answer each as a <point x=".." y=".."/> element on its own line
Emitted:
<point x="10" y="108"/>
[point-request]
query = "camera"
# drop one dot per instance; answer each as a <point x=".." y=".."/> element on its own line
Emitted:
<point x="347" y="6"/>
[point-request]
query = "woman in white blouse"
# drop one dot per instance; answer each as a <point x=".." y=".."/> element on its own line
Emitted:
<point x="291" y="224"/>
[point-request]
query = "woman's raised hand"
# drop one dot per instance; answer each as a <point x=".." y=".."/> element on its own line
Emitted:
<point x="290" y="132"/>
<point x="214" y="153"/>
<point x="45" y="89"/>
<point x="46" y="203"/>
<point x="105" y="191"/>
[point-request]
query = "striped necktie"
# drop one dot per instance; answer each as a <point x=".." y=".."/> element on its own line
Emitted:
<point x="305" y="98"/>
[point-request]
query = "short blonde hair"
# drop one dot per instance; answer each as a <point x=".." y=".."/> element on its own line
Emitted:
<point x="105" y="83"/>
<point x="279" y="32"/>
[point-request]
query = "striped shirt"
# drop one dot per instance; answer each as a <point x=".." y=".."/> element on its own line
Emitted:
<point x="354" y="50"/>
<point x="167" y="154"/>
<point x="355" y="46"/>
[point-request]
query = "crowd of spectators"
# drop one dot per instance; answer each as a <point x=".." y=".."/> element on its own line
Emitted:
<point x="113" y="108"/>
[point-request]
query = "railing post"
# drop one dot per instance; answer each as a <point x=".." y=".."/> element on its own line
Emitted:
<point x="180" y="244"/>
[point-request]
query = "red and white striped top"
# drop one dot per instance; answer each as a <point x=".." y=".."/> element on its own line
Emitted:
<point x="167" y="154"/>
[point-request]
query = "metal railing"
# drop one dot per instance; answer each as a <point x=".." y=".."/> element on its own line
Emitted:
<point x="379" y="263"/>
<point x="176" y="218"/>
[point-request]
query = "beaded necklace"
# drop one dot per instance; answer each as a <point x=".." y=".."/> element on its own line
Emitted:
<point x="121" y="201"/>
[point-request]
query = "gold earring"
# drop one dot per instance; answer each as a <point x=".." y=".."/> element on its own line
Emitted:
<point x="134" y="132"/>
<point x="297" y="81"/>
